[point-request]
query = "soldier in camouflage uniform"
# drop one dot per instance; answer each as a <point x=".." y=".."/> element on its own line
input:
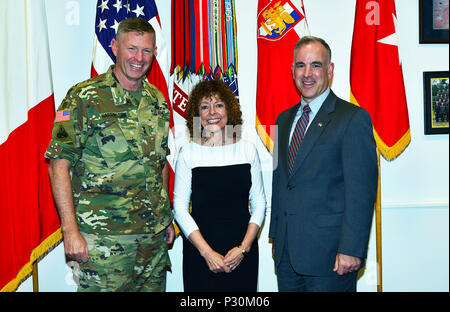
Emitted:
<point x="109" y="173"/>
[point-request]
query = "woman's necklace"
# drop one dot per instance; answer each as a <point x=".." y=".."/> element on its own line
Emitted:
<point x="215" y="139"/>
<point x="211" y="142"/>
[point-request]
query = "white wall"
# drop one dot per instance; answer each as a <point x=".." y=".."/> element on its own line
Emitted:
<point x="414" y="187"/>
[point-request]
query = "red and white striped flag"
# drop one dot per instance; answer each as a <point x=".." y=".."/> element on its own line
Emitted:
<point x="29" y="223"/>
<point x="108" y="17"/>
<point x="280" y="25"/>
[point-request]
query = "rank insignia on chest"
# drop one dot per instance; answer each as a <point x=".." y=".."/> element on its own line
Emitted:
<point x="114" y="115"/>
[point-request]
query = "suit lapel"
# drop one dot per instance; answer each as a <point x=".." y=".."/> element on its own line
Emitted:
<point x="315" y="129"/>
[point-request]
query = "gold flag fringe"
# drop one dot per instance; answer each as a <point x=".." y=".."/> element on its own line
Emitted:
<point x="391" y="152"/>
<point x="265" y="137"/>
<point x="44" y="248"/>
<point x="388" y="152"/>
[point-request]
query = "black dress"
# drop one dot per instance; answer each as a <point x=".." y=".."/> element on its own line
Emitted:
<point x="220" y="197"/>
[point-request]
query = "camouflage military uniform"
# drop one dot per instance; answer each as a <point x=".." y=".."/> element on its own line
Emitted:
<point x="117" y="148"/>
<point x="124" y="263"/>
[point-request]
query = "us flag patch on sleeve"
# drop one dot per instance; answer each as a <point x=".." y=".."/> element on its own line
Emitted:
<point x="62" y="115"/>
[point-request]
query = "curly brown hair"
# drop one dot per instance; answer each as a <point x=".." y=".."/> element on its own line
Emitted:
<point x="211" y="88"/>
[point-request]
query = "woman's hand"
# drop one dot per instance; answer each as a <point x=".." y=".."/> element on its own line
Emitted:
<point x="233" y="258"/>
<point x="215" y="262"/>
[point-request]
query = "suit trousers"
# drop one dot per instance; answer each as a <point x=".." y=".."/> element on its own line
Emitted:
<point x="291" y="281"/>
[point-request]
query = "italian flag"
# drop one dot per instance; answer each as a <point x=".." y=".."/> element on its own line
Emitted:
<point x="29" y="223"/>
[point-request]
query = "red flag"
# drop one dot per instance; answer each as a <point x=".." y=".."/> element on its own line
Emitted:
<point x="29" y="223"/>
<point x="280" y="26"/>
<point x="376" y="77"/>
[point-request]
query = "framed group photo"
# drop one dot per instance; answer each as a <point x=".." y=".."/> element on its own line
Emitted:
<point x="435" y="91"/>
<point x="433" y="21"/>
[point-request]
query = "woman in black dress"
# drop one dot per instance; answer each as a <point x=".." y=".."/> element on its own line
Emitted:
<point x="220" y="173"/>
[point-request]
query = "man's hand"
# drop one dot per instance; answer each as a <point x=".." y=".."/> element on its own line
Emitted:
<point x="75" y="246"/>
<point x="170" y="234"/>
<point x="346" y="264"/>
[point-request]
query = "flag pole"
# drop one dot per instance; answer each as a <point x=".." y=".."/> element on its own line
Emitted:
<point x="35" y="277"/>
<point x="378" y="230"/>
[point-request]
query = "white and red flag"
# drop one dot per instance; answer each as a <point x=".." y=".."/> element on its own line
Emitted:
<point x="29" y="224"/>
<point x="280" y="25"/>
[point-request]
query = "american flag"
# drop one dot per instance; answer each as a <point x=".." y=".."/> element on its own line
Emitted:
<point x="62" y="115"/>
<point x="109" y="14"/>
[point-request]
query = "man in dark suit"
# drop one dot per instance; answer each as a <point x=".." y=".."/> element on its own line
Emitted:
<point x="324" y="181"/>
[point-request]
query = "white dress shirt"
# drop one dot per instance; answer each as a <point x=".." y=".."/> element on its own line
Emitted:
<point x="315" y="106"/>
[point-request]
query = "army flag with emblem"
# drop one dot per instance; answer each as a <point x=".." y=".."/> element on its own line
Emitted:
<point x="280" y="25"/>
<point x="29" y="223"/>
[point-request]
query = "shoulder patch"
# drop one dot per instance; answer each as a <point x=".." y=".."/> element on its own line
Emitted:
<point x="62" y="115"/>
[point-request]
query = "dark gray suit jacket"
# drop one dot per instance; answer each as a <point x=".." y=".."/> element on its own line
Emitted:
<point x="326" y="205"/>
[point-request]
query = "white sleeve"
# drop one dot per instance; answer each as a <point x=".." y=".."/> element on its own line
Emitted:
<point x="182" y="194"/>
<point x="257" y="196"/>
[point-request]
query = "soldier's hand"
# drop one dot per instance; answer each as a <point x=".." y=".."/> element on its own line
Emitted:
<point x="75" y="246"/>
<point x="170" y="234"/>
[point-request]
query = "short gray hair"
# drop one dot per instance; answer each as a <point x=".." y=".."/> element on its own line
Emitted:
<point x="308" y="39"/>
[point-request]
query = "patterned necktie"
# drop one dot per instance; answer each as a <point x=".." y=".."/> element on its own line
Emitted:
<point x="298" y="135"/>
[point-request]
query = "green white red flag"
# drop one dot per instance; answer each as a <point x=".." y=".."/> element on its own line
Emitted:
<point x="29" y="224"/>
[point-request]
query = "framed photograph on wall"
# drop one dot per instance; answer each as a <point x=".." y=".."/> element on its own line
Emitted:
<point x="435" y="90"/>
<point x="433" y="21"/>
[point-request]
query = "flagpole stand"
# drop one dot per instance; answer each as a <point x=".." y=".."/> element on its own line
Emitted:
<point x="378" y="230"/>
<point x="35" y="277"/>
